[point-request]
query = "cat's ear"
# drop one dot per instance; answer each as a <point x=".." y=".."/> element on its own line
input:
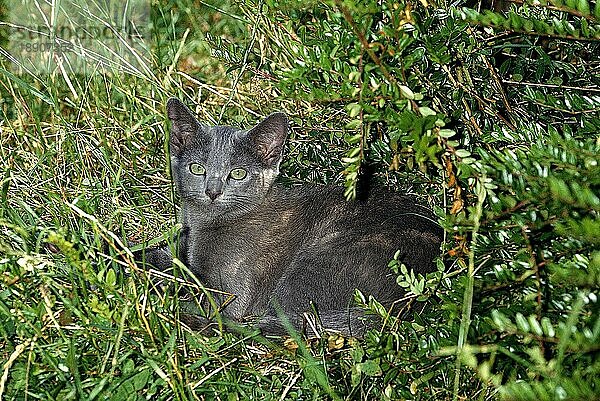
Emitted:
<point x="184" y="125"/>
<point x="268" y="138"/>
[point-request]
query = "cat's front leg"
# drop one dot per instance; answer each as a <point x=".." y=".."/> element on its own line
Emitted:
<point x="161" y="257"/>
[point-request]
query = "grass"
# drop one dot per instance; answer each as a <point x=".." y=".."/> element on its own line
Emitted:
<point x="84" y="164"/>
<point x="85" y="174"/>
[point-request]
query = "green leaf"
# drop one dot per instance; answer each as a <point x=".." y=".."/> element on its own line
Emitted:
<point x="353" y="109"/>
<point x="426" y="111"/>
<point x="584" y="7"/>
<point x="352" y="139"/>
<point x="522" y="323"/>
<point x="535" y="325"/>
<point x="447" y="133"/>
<point x="370" y="367"/>
<point x="406" y="92"/>
<point x="27" y="87"/>
<point x="462" y="153"/>
<point x="560" y="189"/>
<point x="353" y="124"/>
<point x="111" y="278"/>
<point x="516" y="21"/>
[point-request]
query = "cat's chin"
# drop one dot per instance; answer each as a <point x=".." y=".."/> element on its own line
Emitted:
<point x="216" y="213"/>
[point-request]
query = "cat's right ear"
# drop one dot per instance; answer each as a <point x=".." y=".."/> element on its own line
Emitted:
<point x="184" y="125"/>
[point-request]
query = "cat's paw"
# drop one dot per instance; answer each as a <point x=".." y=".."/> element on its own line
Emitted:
<point x="198" y="323"/>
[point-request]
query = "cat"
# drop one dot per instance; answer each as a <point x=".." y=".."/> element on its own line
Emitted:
<point x="291" y="252"/>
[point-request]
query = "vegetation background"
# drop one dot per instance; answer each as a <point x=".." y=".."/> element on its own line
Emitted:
<point x="489" y="111"/>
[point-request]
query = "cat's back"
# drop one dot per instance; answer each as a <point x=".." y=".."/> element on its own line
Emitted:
<point x="335" y="246"/>
<point x="321" y="219"/>
<point x="382" y="209"/>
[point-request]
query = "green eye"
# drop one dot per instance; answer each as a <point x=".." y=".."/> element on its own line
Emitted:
<point x="197" y="169"/>
<point x="238" y="174"/>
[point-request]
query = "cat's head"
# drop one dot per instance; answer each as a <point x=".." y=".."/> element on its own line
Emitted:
<point x="224" y="172"/>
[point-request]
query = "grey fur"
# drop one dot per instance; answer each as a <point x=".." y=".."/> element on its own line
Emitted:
<point x="301" y="248"/>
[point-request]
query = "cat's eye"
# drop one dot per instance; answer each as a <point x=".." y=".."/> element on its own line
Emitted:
<point x="197" y="169"/>
<point x="238" y="174"/>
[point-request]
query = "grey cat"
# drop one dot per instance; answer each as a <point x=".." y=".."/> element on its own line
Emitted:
<point x="285" y="251"/>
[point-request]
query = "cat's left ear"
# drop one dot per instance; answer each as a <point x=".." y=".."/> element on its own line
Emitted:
<point x="268" y="137"/>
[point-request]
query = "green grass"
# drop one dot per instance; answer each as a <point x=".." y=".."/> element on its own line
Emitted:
<point x="85" y="171"/>
<point x="85" y="174"/>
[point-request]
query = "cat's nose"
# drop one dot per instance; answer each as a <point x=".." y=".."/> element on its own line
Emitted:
<point x="214" y="188"/>
<point x="213" y="193"/>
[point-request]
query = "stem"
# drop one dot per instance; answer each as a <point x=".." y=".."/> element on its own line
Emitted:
<point x="365" y="44"/>
<point x="568" y="330"/>
<point x="363" y="41"/>
<point x="468" y="295"/>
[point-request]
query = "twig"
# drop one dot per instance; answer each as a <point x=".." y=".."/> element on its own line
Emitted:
<point x="289" y="386"/>
<point x="538" y="34"/>
<point x="535" y="267"/>
<point x="365" y="44"/>
<point x="211" y="374"/>
<point x="567" y="10"/>
<point x="578" y="88"/>
<point x="508" y="212"/>
<point x="498" y="81"/>
<point x="494" y="288"/>
<point x="364" y="41"/>
<point x="13" y="357"/>
<point x="239" y="75"/>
